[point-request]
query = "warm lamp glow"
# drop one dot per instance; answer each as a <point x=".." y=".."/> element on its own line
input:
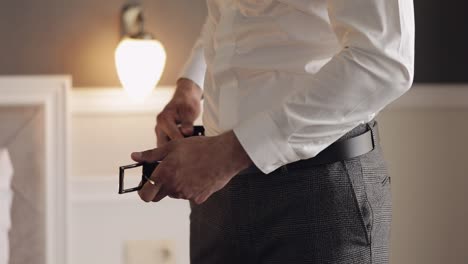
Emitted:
<point x="140" y="64"/>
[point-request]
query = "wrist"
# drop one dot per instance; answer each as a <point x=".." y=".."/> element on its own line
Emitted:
<point x="239" y="159"/>
<point x="186" y="87"/>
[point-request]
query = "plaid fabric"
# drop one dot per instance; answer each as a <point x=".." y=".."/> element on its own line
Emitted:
<point x="334" y="213"/>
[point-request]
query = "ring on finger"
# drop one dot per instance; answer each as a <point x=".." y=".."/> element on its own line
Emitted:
<point x="150" y="180"/>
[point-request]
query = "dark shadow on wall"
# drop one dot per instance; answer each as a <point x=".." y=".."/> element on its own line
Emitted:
<point x="441" y="41"/>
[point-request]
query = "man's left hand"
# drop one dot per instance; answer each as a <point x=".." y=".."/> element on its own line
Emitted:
<point x="193" y="168"/>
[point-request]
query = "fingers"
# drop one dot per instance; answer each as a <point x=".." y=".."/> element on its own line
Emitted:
<point x="186" y="127"/>
<point x="187" y="115"/>
<point x="172" y="130"/>
<point x="201" y="198"/>
<point x="162" y="193"/>
<point x="167" y="122"/>
<point x="151" y="155"/>
<point x="175" y="196"/>
<point x="149" y="191"/>
<point x="182" y="110"/>
<point x="161" y="137"/>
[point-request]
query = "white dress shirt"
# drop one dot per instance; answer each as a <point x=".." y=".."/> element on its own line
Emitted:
<point x="290" y="77"/>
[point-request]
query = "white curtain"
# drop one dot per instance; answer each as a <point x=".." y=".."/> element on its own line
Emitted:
<point x="6" y="195"/>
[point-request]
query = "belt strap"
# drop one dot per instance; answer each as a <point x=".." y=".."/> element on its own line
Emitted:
<point x="338" y="151"/>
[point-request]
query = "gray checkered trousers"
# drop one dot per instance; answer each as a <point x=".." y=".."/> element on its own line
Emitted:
<point x="332" y="213"/>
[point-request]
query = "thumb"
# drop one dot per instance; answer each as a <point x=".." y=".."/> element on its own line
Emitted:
<point x="151" y="155"/>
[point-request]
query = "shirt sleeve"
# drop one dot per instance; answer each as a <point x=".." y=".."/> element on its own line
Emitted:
<point x="195" y="67"/>
<point x="373" y="68"/>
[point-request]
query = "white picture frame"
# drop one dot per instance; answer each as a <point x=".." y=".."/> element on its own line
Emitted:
<point x="51" y="93"/>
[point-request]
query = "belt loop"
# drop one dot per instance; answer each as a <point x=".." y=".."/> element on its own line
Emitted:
<point x="371" y="128"/>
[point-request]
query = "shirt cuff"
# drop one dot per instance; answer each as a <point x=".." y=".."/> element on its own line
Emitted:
<point x="195" y="68"/>
<point x="264" y="143"/>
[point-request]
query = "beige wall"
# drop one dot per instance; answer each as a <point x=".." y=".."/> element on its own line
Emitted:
<point x="425" y="147"/>
<point x="78" y="37"/>
<point x="426" y="153"/>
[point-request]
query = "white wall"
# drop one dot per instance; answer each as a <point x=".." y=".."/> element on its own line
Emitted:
<point x="424" y="139"/>
<point x="106" y="128"/>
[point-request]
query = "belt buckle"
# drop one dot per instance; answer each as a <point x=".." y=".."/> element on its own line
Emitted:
<point x="146" y="172"/>
<point x="148" y="168"/>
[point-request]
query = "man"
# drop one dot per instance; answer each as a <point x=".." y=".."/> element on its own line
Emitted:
<point x="284" y="81"/>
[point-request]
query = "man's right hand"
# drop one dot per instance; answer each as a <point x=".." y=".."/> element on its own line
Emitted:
<point x="176" y="119"/>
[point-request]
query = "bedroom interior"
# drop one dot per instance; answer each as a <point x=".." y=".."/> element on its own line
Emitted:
<point x="66" y="125"/>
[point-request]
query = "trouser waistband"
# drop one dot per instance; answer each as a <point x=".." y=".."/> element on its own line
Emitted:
<point x="347" y="147"/>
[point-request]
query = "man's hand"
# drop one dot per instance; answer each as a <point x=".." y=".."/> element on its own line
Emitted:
<point x="193" y="168"/>
<point x="182" y="110"/>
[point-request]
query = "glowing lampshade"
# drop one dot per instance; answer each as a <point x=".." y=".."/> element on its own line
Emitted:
<point x="139" y="58"/>
<point x="140" y="64"/>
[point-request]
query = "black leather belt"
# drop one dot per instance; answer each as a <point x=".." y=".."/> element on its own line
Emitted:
<point x="340" y="150"/>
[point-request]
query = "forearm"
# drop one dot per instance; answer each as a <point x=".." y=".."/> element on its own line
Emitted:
<point x="239" y="160"/>
<point x="374" y="67"/>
